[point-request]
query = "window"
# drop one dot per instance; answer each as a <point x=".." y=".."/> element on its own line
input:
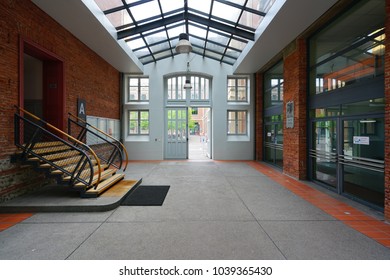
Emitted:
<point x="138" y="122"/>
<point x="200" y="88"/>
<point x="237" y="122"/>
<point x="340" y="57"/>
<point x="273" y="86"/>
<point x="237" y="89"/>
<point x="138" y="89"/>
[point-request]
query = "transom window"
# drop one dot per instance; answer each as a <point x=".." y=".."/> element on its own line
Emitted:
<point x="138" y="89"/>
<point x="138" y="122"/>
<point x="199" y="88"/>
<point x="238" y="89"/>
<point x="237" y="122"/>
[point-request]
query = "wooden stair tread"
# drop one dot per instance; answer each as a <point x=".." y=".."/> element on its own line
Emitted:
<point x="83" y="174"/>
<point x="48" y="144"/>
<point x="63" y="162"/>
<point x="106" y="184"/>
<point x="47" y="150"/>
<point x="103" y="175"/>
<point x="61" y="155"/>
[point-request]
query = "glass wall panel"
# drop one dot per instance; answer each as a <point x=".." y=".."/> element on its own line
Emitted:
<point x="349" y="50"/>
<point x="363" y="159"/>
<point x="273" y="86"/>
<point x="324" y="152"/>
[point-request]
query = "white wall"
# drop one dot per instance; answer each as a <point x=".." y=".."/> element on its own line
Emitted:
<point x="223" y="147"/>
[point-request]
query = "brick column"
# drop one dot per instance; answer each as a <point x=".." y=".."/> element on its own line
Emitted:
<point x="387" y="113"/>
<point x="295" y="89"/>
<point x="259" y="116"/>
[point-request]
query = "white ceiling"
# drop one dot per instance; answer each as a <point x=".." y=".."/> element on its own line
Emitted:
<point x="284" y="22"/>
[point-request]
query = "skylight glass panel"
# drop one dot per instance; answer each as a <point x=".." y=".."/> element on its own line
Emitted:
<point x="237" y="44"/>
<point x="197" y="31"/>
<point x="216" y="37"/>
<point x="156" y="37"/>
<point x="160" y="47"/>
<point x="135" y="44"/>
<point x="169" y="5"/>
<point x="175" y="31"/>
<point x="203" y="5"/>
<point x="233" y="53"/>
<point x="239" y="2"/>
<point x="163" y="54"/>
<point x="215" y="47"/>
<point x="225" y="12"/>
<point x="142" y="53"/>
<point x="119" y="18"/>
<point x="213" y="55"/>
<point x="145" y="10"/>
<point x="228" y="60"/>
<point x="261" y="5"/>
<point x="197" y="41"/>
<point x="108" y="4"/>
<point x="250" y="19"/>
<point x="146" y="60"/>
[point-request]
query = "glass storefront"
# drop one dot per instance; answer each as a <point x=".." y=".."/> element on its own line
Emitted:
<point x="273" y="115"/>
<point x="346" y="104"/>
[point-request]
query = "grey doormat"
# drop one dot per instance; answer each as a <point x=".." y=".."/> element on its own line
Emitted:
<point x="146" y="196"/>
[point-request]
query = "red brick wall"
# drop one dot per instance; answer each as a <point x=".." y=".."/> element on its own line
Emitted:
<point x="259" y="116"/>
<point x="86" y="74"/>
<point x="387" y="114"/>
<point x="295" y="139"/>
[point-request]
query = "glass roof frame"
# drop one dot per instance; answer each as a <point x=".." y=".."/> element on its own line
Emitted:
<point x="225" y="37"/>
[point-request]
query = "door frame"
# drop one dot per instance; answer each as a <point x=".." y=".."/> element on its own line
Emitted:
<point x="53" y="65"/>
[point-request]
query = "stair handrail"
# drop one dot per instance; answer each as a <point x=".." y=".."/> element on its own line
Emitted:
<point x="107" y="135"/>
<point x="69" y="137"/>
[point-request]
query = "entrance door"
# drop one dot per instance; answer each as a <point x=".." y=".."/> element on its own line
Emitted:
<point x="176" y="133"/>
<point x="362" y="159"/>
<point x="274" y="143"/>
<point x="347" y="155"/>
<point x="324" y="152"/>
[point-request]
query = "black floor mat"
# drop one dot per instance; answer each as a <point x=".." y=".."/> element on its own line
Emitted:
<point x="146" y="196"/>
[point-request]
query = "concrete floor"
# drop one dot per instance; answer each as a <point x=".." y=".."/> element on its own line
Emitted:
<point x="213" y="210"/>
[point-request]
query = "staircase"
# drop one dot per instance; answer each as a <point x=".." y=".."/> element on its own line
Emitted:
<point x="88" y="162"/>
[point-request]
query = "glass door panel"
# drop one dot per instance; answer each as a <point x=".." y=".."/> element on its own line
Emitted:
<point x="273" y="144"/>
<point x="324" y="152"/>
<point x="176" y="133"/>
<point x="362" y="159"/>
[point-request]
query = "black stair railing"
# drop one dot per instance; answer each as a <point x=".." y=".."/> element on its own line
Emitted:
<point x="109" y="150"/>
<point x="43" y="142"/>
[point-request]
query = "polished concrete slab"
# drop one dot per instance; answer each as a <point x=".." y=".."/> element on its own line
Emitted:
<point x="213" y="210"/>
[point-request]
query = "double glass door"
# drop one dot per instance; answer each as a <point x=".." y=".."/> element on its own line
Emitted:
<point x="347" y="154"/>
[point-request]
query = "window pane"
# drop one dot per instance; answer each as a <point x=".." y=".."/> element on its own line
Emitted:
<point x="241" y="127"/>
<point x="133" y="127"/>
<point x="133" y="82"/>
<point x="144" y="93"/>
<point x="241" y="94"/>
<point x="231" y="115"/>
<point x="133" y="93"/>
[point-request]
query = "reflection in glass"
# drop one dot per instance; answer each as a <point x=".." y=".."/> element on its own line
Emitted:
<point x="324" y="143"/>
<point x="363" y="168"/>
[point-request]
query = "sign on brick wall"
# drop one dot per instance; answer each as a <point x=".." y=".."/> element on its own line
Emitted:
<point x="290" y="114"/>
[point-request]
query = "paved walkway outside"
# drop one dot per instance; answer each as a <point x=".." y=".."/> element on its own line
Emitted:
<point x="213" y="210"/>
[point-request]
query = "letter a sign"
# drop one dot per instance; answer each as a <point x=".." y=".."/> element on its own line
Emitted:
<point x="81" y="113"/>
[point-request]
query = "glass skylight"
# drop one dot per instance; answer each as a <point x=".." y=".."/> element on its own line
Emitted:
<point x="218" y="29"/>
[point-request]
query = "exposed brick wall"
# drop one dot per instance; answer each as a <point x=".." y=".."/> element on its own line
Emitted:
<point x="387" y="114"/>
<point x="259" y="116"/>
<point x="86" y="76"/>
<point x="295" y="139"/>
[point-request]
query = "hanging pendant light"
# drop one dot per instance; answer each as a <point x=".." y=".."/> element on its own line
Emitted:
<point x="184" y="45"/>
<point x="187" y="84"/>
